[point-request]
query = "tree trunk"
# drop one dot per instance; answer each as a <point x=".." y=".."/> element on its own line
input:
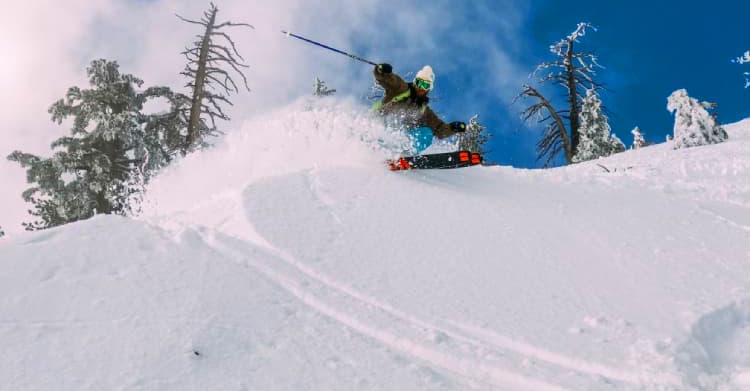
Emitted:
<point x="556" y="117"/>
<point x="572" y="100"/>
<point x="200" y="80"/>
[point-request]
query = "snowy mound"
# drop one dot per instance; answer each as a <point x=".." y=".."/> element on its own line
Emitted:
<point x="718" y="172"/>
<point x="288" y="258"/>
<point x="312" y="134"/>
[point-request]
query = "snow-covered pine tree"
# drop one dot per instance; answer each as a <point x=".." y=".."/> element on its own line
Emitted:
<point x="639" y="141"/>
<point x="574" y="72"/>
<point x="693" y="125"/>
<point x="744" y="59"/>
<point x="320" y="89"/>
<point x="112" y="151"/>
<point x="596" y="139"/>
<point x="208" y="82"/>
<point x="475" y="138"/>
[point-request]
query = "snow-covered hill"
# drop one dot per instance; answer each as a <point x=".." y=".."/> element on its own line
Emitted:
<point x="289" y="259"/>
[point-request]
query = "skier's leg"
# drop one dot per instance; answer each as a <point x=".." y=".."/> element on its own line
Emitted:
<point x="421" y="139"/>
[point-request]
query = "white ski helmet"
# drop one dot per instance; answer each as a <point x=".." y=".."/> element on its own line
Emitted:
<point x="426" y="74"/>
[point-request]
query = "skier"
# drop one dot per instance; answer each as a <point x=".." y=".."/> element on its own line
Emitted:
<point x="409" y="102"/>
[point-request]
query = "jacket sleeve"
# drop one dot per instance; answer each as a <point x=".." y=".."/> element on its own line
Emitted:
<point x="392" y="83"/>
<point x="438" y="126"/>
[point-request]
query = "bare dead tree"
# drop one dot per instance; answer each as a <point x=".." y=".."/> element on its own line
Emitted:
<point x="210" y="82"/>
<point x="573" y="71"/>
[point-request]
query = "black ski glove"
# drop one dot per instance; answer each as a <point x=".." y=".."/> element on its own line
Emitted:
<point x="458" y="126"/>
<point x="384" y="69"/>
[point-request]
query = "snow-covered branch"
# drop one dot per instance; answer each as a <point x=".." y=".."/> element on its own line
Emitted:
<point x="745" y="58"/>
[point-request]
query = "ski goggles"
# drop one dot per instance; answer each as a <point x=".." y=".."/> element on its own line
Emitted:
<point x="423" y="84"/>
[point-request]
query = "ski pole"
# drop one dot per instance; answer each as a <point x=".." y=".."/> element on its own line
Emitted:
<point x="352" y="56"/>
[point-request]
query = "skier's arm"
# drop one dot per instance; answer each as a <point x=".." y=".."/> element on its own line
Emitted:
<point x="438" y="126"/>
<point x="392" y="84"/>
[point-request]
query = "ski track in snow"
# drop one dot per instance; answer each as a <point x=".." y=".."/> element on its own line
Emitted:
<point x="456" y="361"/>
<point x="468" y="337"/>
<point x="563" y="361"/>
<point x="723" y="219"/>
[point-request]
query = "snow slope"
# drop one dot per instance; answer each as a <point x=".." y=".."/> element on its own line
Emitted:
<point x="287" y="258"/>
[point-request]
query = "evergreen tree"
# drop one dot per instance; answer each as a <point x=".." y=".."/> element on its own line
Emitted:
<point x="164" y="131"/>
<point x="2" y="233"/>
<point x="693" y="125"/>
<point x="596" y="139"/>
<point x="744" y="59"/>
<point x="475" y="138"/>
<point x="639" y="141"/>
<point x="320" y="89"/>
<point x="207" y="80"/>
<point x="112" y="151"/>
<point x="574" y="72"/>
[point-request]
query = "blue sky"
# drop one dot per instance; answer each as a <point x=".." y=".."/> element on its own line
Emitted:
<point x="649" y="49"/>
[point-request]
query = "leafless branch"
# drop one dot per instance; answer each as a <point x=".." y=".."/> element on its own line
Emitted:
<point x="191" y="21"/>
<point x="555" y="138"/>
<point x="231" y="42"/>
<point x="230" y="24"/>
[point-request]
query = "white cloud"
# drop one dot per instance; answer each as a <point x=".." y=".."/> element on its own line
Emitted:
<point x="38" y="65"/>
<point x="52" y="41"/>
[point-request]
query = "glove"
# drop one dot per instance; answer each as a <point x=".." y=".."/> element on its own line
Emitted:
<point x="384" y="68"/>
<point x="458" y="126"/>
